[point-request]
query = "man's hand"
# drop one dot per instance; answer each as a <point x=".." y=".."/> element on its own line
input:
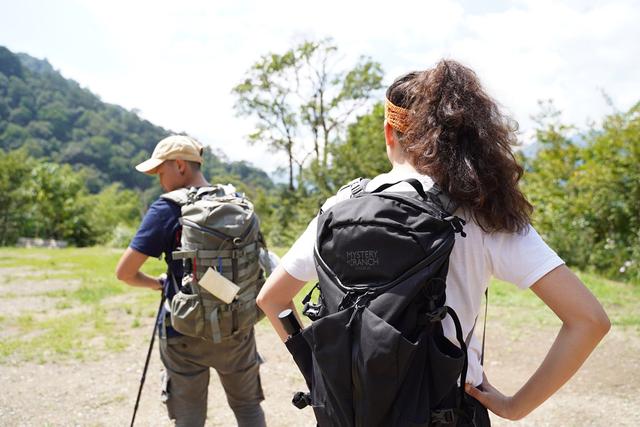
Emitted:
<point x="161" y="281"/>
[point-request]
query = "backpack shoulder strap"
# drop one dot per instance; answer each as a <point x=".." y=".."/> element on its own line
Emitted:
<point x="448" y="204"/>
<point x="179" y="196"/>
<point x="358" y="186"/>
<point x="354" y="187"/>
<point x="435" y="193"/>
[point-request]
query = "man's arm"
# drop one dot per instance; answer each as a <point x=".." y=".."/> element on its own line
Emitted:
<point x="128" y="271"/>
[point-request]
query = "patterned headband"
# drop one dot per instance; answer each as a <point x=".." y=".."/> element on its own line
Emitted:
<point x="397" y="117"/>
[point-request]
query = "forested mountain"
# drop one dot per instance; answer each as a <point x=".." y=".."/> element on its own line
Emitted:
<point x="55" y="118"/>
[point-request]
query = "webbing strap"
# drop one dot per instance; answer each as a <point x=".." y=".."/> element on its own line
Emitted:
<point x="225" y="265"/>
<point x="463" y="347"/>
<point x="435" y="192"/>
<point x="467" y="341"/>
<point x="443" y="417"/>
<point x="484" y="329"/>
<point x="216" y="335"/>
<point x="174" y="281"/>
<point x="245" y="296"/>
<point x="447" y="203"/>
<point x="244" y="274"/>
<point x="224" y="253"/>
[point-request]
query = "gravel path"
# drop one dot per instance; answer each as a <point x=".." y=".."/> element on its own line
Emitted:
<point x="102" y="392"/>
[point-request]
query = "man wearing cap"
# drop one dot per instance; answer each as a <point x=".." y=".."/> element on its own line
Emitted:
<point x="177" y="160"/>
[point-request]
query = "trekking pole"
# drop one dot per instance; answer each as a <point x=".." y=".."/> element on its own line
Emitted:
<point x="146" y="363"/>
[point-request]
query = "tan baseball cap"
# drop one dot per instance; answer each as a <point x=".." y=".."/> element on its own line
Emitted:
<point x="171" y="148"/>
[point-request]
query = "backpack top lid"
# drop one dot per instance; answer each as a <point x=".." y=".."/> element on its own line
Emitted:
<point x="217" y="210"/>
<point x="375" y="238"/>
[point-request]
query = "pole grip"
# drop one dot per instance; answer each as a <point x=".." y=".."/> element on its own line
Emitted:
<point x="289" y="322"/>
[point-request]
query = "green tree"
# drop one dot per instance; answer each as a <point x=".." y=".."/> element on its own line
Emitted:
<point x="112" y="208"/>
<point x="9" y="63"/>
<point x="363" y="154"/>
<point x="15" y="168"/>
<point x="58" y="208"/>
<point x="586" y="191"/>
<point x="301" y="96"/>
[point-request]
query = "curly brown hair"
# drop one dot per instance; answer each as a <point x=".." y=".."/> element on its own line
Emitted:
<point x="458" y="136"/>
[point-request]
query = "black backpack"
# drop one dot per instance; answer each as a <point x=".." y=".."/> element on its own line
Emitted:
<point x="375" y="354"/>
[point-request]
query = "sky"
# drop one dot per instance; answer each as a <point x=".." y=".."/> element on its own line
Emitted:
<point x="176" y="62"/>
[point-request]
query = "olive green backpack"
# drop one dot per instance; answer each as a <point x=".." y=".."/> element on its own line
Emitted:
<point x="219" y="230"/>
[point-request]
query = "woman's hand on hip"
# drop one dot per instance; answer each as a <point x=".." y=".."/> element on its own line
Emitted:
<point x="492" y="399"/>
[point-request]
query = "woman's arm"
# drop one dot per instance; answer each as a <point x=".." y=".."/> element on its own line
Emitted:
<point x="584" y="324"/>
<point x="276" y="295"/>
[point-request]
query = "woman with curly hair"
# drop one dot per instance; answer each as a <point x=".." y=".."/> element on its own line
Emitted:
<point x="441" y="127"/>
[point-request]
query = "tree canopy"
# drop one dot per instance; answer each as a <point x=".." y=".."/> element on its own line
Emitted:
<point x="302" y="100"/>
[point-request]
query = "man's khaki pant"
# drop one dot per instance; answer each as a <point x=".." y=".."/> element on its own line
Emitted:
<point x="186" y="379"/>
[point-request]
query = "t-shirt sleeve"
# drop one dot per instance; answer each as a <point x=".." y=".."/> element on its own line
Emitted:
<point x="298" y="261"/>
<point x="154" y="229"/>
<point x="520" y="258"/>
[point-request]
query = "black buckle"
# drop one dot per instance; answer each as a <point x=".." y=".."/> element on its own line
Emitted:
<point x="436" y="315"/>
<point x="301" y="399"/>
<point x="457" y="224"/>
<point x="313" y="311"/>
<point x="443" y="416"/>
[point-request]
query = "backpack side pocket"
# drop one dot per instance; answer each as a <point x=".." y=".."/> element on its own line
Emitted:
<point x="187" y="314"/>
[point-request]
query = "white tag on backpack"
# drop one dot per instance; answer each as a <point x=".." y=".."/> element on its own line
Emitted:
<point x="219" y="286"/>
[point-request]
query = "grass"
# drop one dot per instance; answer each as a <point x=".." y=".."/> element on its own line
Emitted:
<point x="62" y="337"/>
<point x="620" y="300"/>
<point x="93" y="314"/>
<point x="93" y="325"/>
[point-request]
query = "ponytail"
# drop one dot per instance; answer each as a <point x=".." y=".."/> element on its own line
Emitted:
<point x="459" y="137"/>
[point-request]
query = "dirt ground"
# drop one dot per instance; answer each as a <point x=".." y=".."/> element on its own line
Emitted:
<point x="605" y="392"/>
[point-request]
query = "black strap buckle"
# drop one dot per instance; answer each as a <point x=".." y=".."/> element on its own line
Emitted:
<point x="301" y="399"/>
<point x="457" y="224"/>
<point x="358" y="187"/>
<point x="443" y="417"/>
<point x="313" y="311"/>
<point x="436" y="315"/>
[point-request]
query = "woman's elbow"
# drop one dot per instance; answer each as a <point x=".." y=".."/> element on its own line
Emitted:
<point x="598" y="323"/>
<point x="261" y="299"/>
<point x="602" y="324"/>
<point x="264" y="298"/>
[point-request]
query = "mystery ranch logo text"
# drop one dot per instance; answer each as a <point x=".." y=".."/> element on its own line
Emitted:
<point x="362" y="260"/>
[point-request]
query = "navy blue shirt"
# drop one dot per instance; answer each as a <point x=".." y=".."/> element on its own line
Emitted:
<point x="158" y="234"/>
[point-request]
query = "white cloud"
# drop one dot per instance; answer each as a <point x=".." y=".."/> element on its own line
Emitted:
<point x="177" y="62"/>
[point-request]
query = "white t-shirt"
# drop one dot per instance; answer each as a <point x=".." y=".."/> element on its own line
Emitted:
<point x="518" y="258"/>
